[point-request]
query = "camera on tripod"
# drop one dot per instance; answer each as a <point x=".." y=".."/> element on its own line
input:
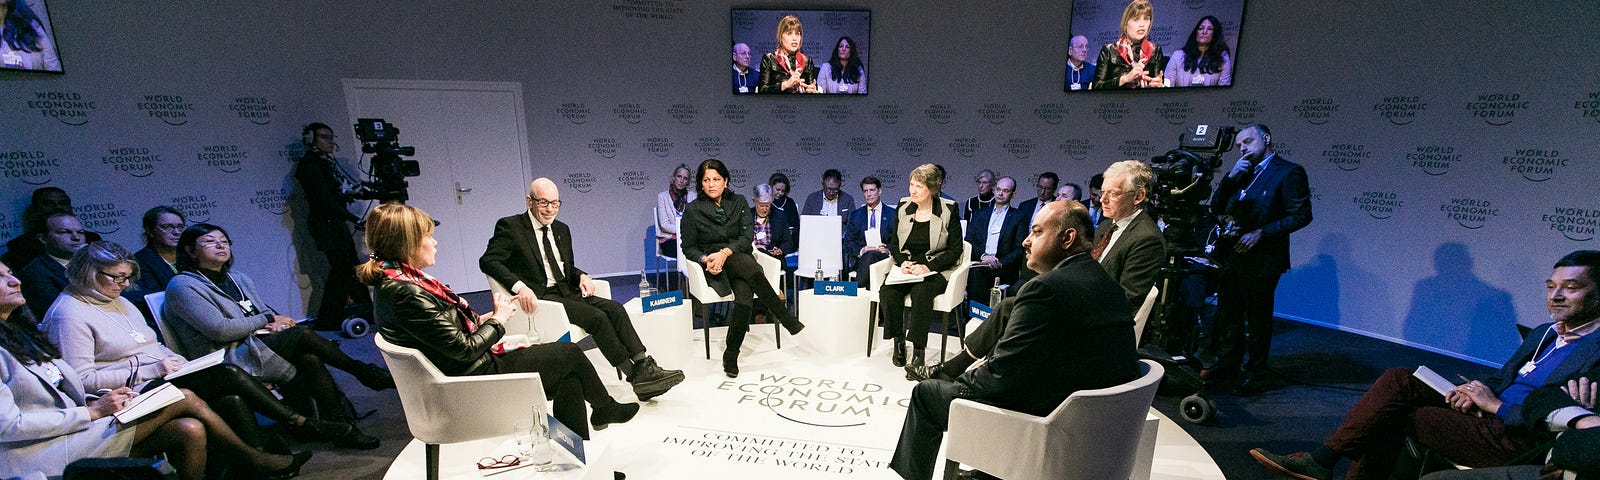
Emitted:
<point x="1182" y="185"/>
<point x="389" y="171"/>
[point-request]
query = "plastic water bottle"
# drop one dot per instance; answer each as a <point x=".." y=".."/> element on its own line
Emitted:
<point x="644" y="286"/>
<point x="818" y="276"/>
<point x="995" y="294"/>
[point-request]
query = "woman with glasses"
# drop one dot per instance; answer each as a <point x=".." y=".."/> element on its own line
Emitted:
<point x="209" y="307"/>
<point x="717" y="234"/>
<point x="49" y="420"/>
<point x="158" y="260"/>
<point x="104" y="338"/>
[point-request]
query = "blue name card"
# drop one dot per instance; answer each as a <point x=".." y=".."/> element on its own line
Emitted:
<point x="662" y="300"/>
<point x="979" y="311"/>
<point x="827" y="287"/>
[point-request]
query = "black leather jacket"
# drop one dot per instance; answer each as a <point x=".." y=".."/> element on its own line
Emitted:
<point x="411" y="317"/>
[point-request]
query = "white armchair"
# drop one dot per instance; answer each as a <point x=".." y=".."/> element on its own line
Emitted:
<point x="1092" y="434"/>
<point x="954" y="296"/>
<point x="694" y="283"/>
<point x="155" y="301"/>
<point x="443" y="409"/>
<point x="1142" y="317"/>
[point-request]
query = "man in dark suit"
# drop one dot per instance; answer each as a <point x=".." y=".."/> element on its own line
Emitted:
<point x="830" y="200"/>
<point x="1045" y="192"/>
<point x="1268" y="197"/>
<point x="1477" y="424"/>
<point x="770" y="228"/>
<point x="45" y="277"/>
<point x="327" y="188"/>
<point x="22" y="249"/>
<point x="1129" y="245"/>
<point x="522" y="256"/>
<point x="996" y="234"/>
<point x="869" y="225"/>
<point x="1070" y="331"/>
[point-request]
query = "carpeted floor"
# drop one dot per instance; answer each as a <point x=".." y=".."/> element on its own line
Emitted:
<point x="1292" y="415"/>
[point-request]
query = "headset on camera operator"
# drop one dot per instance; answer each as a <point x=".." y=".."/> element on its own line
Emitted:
<point x="328" y="190"/>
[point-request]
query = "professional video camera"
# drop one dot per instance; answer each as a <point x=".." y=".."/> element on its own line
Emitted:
<point x="389" y="171"/>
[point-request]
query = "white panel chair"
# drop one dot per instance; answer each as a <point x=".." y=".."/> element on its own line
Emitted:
<point x="875" y="276"/>
<point x="1143" y="315"/>
<point x="442" y="409"/>
<point x="694" y="283"/>
<point x="1093" y="434"/>
<point x="155" y="301"/>
<point x="954" y="296"/>
<point x="549" y="322"/>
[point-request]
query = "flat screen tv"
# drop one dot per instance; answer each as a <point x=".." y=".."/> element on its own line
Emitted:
<point x="27" y="42"/>
<point x="1152" y="44"/>
<point x="799" y="51"/>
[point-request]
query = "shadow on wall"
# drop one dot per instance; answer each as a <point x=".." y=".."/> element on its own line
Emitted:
<point x="1455" y="310"/>
<point x="1333" y="288"/>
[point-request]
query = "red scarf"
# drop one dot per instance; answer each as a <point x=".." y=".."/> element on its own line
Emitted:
<point x="800" y="61"/>
<point x="403" y="272"/>
<point x="1124" y="47"/>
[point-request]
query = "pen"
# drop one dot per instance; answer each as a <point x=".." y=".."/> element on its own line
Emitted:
<point x="1463" y="378"/>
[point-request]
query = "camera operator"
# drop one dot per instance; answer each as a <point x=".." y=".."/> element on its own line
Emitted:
<point x="327" y="187"/>
<point x="1268" y="197"/>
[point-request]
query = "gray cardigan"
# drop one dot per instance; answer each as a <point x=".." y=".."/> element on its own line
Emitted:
<point x="203" y="319"/>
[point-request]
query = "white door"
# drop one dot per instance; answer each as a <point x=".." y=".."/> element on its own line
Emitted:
<point x="472" y="144"/>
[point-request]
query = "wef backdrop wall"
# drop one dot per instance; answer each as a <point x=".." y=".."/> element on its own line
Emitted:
<point x="1452" y="147"/>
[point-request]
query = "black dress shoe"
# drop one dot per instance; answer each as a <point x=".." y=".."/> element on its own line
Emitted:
<point x="917" y="373"/>
<point x="357" y="440"/>
<point x="603" y="417"/>
<point x="319" y="430"/>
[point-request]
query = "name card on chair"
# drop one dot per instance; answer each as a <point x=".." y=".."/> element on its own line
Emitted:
<point x="979" y="311"/>
<point x="662" y="300"/>
<point x="829" y="287"/>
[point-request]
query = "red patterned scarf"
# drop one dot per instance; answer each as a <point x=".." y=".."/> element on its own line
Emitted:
<point x="800" y="61"/>
<point x="1125" y="48"/>
<point x="403" y="272"/>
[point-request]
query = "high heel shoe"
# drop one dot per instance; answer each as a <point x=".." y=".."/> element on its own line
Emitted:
<point x="917" y="355"/>
<point x="899" y="357"/>
<point x="374" y="377"/>
<point x="792" y="324"/>
<point x="319" y="430"/>
<point x="300" y="459"/>
<point x="615" y="413"/>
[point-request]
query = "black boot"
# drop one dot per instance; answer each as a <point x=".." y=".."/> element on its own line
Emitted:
<point x="899" y="357"/>
<point x="374" y="377"/>
<point x="738" y="325"/>
<point x="916" y="356"/>
<point x="605" y="415"/>
<point x="791" y="323"/>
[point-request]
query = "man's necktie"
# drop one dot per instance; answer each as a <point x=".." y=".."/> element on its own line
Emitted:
<point x="872" y="218"/>
<point x="550" y="256"/>
<point x="1105" y="239"/>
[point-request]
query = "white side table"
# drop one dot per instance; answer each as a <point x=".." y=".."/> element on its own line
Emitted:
<point x="836" y="325"/>
<point x="460" y="461"/>
<point x="667" y="333"/>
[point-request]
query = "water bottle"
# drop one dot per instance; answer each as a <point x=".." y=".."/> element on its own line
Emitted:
<point x="644" y="286"/>
<point x="818" y="276"/>
<point x="995" y="294"/>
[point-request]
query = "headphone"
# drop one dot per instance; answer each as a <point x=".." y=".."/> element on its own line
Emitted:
<point x="308" y="135"/>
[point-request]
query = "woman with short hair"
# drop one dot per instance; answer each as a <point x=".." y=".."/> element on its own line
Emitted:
<point x="1133" y="61"/>
<point x="927" y="239"/>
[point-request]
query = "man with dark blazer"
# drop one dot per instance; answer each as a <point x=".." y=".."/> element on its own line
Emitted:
<point x="996" y="234"/>
<point x="23" y="248"/>
<point x="1045" y="190"/>
<point x="1070" y="331"/>
<point x="45" y="277"/>
<point x="327" y="188"/>
<point x="870" y="225"/>
<point x="1267" y="197"/>
<point x="1477" y="423"/>
<point x="1129" y="245"/>
<point x="830" y="200"/>
<point x="523" y="256"/>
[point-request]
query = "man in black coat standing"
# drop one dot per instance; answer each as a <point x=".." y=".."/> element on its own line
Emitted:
<point x="327" y="190"/>
<point x="1071" y="329"/>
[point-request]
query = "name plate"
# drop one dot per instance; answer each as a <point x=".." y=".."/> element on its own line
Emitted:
<point x="662" y="300"/>
<point x="979" y="311"/>
<point x="826" y="287"/>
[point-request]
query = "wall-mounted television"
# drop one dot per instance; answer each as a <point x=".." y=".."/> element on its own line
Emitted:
<point x="27" y="42"/>
<point x="799" y="51"/>
<point x="1148" y="44"/>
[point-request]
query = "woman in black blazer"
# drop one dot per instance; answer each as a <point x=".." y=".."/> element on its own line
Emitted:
<point x="717" y="234"/>
<point x="927" y="239"/>
<point x="418" y="311"/>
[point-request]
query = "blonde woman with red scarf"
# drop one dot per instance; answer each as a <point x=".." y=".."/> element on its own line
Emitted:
<point x="786" y="70"/>
<point x="1133" y="61"/>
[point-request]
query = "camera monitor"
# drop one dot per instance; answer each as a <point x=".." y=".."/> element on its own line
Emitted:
<point x="1152" y="44"/>
<point x="799" y="51"/>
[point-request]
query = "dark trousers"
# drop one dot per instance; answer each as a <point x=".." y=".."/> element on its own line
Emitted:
<point x="926" y="421"/>
<point x="604" y="319"/>
<point x="750" y="286"/>
<point x="1398" y="405"/>
<point x="983" y="339"/>
<point x="892" y="300"/>
<point x="1244" y="320"/>
<point x="1514" y="472"/>
<point x="864" y="267"/>
<point x="338" y="288"/>
<point x="567" y="376"/>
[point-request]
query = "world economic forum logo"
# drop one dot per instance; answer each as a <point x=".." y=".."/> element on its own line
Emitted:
<point x="67" y="107"/>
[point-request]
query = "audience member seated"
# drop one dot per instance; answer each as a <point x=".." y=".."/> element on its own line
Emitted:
<point x="1071" y="332"/>
<point x="1068" y="191"/>
<point x="927" y="239"/>
<point x="104" y="338"/>
<point x="45" y="276"/>
<point x="717" y="235"/>
<point x="995" y="233"/>
<point x="416" y="310"/>
<point x="669" y="207"/>
<point x="985" y="194"/>
<point x="1093" y="202"/>
<point x="830" y="200"/>
<point x="1576" y="449"/>
<point x="49" y="420"/>
<point x="210" y="307"/>
<point x="1479" y="423"/>
<point x="531" y="255"/>
<point x="26" y="246"/>
<point x="871" y="224"/>
<point x="784" y="204"/>
<point x="769" y="230"/>
<point x="158" y="259"/>
<point x="1130" y="245"/>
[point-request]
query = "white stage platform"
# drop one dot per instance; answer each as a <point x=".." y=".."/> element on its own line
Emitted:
<point x="793" y="413"/>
